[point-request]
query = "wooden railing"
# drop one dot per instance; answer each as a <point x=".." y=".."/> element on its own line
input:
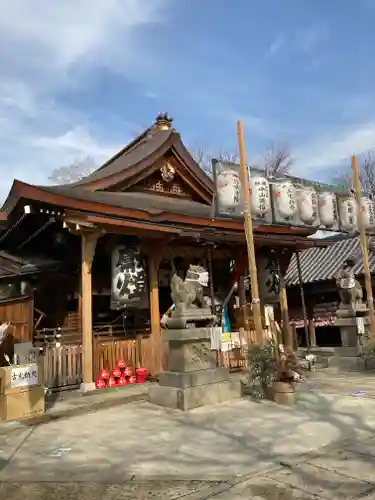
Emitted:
<point x="59" y="367"/>
<point x="62" y="365"/>
<point x="147" y="351"/>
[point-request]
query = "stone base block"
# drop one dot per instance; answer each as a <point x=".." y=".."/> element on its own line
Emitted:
<point x="352" y="363"/>
<point x="284" y="398"/>
<point x="346" y="352"/>
<point x="193" y="379"/>
<point x="194" y="397"/>
<point x="87" y="386"/>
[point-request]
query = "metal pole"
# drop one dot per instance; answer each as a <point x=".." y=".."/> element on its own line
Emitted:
<point x="366" y="265"/>
<point x="249" y="234"/>
<point x="306" y="328"/>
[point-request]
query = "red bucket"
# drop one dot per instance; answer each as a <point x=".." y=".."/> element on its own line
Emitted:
<point x="142" y="374"/>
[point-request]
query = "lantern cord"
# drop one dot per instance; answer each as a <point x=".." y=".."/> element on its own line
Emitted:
<point x="36" y="233"/>
<point x="16" y="224"/>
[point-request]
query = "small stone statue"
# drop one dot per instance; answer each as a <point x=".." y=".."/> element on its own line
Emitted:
<point x="351" y="294"/>
<point x="191" y="306"/>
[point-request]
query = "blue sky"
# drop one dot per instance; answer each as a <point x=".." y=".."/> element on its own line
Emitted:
<point x="82" y="77"/>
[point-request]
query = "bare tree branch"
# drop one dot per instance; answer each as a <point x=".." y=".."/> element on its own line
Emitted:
<point x="74" y="172"/>
<point x="366" y="169"/>
<point x="204" y="158"/>
<point x="278" y="159"/>
<point x="228" y="157"/>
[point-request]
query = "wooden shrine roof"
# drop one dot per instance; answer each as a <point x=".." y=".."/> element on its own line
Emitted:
<point x="126" y="189"/>
<point x="151" y="203"/>
<point x="11" y="265"/>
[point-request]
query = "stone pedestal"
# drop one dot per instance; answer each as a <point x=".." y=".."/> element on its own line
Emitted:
<point x="193" y="379"/>
<point x="347" y="357"/>
<point x="348" y="331"/>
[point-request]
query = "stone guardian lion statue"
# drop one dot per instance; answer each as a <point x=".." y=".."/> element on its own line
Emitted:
<point x="188" y="294"/>
<point x="350" y="290"/>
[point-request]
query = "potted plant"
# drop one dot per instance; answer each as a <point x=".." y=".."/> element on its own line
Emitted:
<point x="273" y="373"/>
<point x="367" y="352"/>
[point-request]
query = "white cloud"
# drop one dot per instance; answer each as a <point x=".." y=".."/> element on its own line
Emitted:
<point x="73" y="144"/>
<point x="311" y="37"/>
<point x="73" y="30"/>
<point x="276" y="45"/>
<point x="332" y="152"/>
<point x="45" y="48"/>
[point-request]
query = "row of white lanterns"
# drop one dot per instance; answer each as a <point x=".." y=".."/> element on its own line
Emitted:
<point x="282" y="201"/>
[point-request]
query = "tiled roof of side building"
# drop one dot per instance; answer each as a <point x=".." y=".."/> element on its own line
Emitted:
<point x="321" y="264"/>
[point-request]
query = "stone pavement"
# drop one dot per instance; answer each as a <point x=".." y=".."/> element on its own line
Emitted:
<point x="322" y="448"/>
<point x="334" y="382"/>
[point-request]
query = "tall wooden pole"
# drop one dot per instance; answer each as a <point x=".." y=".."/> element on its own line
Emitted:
<point x="249" y="233"/>
<point x="366" y="265"/>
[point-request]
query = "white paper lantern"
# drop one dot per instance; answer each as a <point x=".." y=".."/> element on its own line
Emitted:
<point x="307" y="203"/>
<point x="228" y="189"/>
<point x="285" y="199"/>
<point x="260" y="196"/>
<point x="327" y="206"/>
<point x="368" y="212"/>
<point x="348" y="214"/>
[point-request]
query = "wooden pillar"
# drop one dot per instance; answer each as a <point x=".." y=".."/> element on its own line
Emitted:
<point x="154" y="260"/>
<point x="312" y="333"/>
<point x="294" y="336"/>
<point x="88" y="246"/>
<point x="79" y="299"/>
<point x="240" y="266"/>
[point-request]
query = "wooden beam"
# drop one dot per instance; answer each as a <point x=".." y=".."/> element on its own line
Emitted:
<point x="303" y="302"/>
<point x="154" y="251"/>
<point x="312" y="333"/>
<point x="88" y="246"/>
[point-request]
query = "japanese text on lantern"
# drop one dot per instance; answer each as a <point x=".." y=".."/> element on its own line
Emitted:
<point x="23" y="376"/>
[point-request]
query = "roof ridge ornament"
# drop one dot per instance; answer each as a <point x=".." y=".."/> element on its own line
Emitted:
<point x="163" y="121"/>
<point x="167" y="172"/>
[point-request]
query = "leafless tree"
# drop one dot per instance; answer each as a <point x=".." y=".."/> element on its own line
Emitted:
<point x="366" y="169"/>
<point x="278" y="159"/>
<point x="73" y="172"/>
<point x="204" y="158"/>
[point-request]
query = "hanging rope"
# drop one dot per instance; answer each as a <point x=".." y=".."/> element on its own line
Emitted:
<point x="36" y="233"/>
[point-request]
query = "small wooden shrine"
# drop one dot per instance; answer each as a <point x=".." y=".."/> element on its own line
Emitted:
<point x="318" y="272"/>
<point x="115" y="234"/>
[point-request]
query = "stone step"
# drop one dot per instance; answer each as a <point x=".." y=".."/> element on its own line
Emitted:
<point x="317" y="351"/>
<point x="351" y="363"/>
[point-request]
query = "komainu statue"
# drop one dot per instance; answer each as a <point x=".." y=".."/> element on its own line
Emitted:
<point x="191" y="306"/>
<point x="350" y="290"/>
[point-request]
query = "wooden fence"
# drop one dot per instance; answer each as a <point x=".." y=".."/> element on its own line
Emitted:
<point x="147" y="351"/>
<point x="59" y="367"/>
<point x="62" y="366"/>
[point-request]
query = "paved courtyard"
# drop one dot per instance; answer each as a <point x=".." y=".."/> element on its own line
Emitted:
<point x="322" y="448"/>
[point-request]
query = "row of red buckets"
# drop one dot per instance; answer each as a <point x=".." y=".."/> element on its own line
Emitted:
<point x="121" y="375"/>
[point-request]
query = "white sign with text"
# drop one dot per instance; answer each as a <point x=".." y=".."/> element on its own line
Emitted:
<point x="25" y="375"/>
